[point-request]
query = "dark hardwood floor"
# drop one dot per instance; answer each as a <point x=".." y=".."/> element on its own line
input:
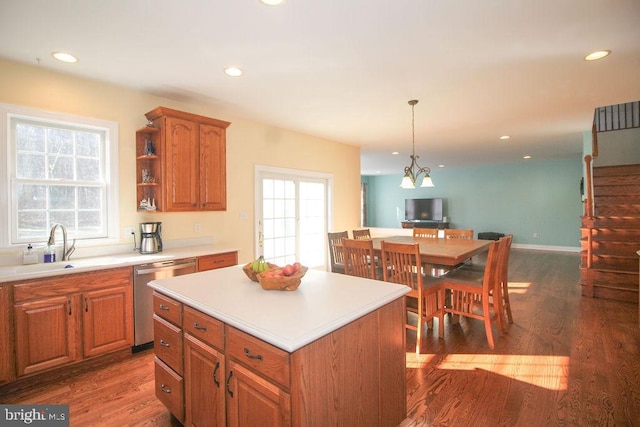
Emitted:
<point x="566" y="360"/>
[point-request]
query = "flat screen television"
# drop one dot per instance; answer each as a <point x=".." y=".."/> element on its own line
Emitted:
<point x="423" y="209"/>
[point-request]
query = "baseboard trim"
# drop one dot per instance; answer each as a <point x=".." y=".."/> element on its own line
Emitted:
<point x="546" y="248"/>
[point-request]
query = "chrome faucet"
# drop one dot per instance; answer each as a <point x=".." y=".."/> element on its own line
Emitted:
<point x="66" y="253"/>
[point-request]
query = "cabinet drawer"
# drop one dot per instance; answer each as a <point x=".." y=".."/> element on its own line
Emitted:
<point x="210" y="262"/>
<point x="167" y="343"/>
<point x="167" y="308"/>
<point x="169" y="389"/>
<point x="265" y="359"/>
<point x="204" y="327"/>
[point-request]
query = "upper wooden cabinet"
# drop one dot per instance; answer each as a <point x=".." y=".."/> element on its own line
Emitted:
<point x="190" y="173"/>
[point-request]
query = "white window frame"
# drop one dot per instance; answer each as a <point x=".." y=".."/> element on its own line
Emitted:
<point x="7" y="154"/>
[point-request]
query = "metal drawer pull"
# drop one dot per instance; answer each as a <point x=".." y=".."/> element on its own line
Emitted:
<point x="166" y="390"/>
<point x="164" y="307"/>
<point x="202" y="328"/>
<point x="164" y="344"/>
<point x="229" y="379"/>
<point x="251" y="356"/>
<point x="215" y="372"/>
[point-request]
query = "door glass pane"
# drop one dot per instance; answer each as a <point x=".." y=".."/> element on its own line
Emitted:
<point x="294" y="218"/>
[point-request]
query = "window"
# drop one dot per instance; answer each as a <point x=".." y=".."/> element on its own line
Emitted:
<point x="60" y="171"/>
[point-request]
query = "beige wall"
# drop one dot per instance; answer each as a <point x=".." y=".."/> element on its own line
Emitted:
<point x="248" y="143"/>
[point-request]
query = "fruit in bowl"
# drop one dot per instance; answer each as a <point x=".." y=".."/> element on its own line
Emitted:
<point x="286" y="278"/>
<point x="257" y="266"/>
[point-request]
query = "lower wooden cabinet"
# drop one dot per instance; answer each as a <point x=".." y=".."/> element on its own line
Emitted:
<point x="106" y="320"/>
<point x="63" y="319"/>
<point x="46" y="331"/>
<point x="211" y="262"/>
<point x="6" y="342"/>
<point x="204" y="378"/>
<point x="352" y="376"/>
<point x="169" y="389"/>
<point x="253" y="401"/>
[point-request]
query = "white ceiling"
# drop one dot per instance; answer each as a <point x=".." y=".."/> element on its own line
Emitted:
<point x="345" y="69"/>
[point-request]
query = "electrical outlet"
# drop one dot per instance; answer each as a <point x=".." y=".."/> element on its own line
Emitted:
<point x="197" y="228"/>
<point x="535" y="235"/>
<point x="128" y="231"/>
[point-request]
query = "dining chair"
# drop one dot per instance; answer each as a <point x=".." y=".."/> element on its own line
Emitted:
<point x="336" y="255"/>
<point x="503" y="266"/>
<point x="430" y="233"/>
<point x="401" y="264"/>
<point x="362" y="234"/>
<point x="358" y="258"/>
<point x="472" y="295"/>
<point x="458" y="233"/>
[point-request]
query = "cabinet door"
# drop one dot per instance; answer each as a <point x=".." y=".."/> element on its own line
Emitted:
<point x="107" y="320"/>
<point x="204" y="384"/>
<point x="46" y="333"/>
<point x="253" y="401"/>
<point x="181" y="161"/>
<point x="213" y="172"/>
<point x="6" y="343"/>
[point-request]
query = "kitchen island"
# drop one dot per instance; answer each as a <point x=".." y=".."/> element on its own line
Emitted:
<point x="330" y="353"/>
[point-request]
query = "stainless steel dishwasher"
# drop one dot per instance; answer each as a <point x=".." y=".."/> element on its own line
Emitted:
<point x="143" y="295"/>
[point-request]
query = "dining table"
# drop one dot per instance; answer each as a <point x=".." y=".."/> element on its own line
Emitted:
<point x="439" y="252"/>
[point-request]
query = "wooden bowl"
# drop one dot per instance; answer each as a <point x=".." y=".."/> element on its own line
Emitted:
<point x="282" y="283"/>
<point x="252" y="274"/>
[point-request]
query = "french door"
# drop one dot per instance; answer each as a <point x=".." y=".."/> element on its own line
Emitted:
<point x="292" y="212"/>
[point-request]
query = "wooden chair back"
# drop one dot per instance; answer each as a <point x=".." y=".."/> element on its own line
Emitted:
<point x="336" y="255"/>
<point x="503" y="265"/>
<point x="470" y="293"/>
<point x="358" y="258"/>
<point x="362" y="234"/>
<point x="458" y="233"/>
<point x="401" y="264"/>
<point x="428" y="233"/>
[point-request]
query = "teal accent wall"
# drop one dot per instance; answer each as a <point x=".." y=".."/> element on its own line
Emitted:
<point x="541" y="197"/>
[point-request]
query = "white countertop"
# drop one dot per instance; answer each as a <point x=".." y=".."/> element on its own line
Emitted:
<point x="32" y="271"/>
<point x="289" y="320"/>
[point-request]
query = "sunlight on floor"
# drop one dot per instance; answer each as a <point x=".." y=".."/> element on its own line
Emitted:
<point x="550" y="372"/>
<point x="519" y="287"/>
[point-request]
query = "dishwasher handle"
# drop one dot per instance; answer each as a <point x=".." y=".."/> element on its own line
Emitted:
<point x="189" y="265"/>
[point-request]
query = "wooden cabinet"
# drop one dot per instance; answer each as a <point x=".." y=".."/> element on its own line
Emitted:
<point x="211" y="262"/>
<point x="63" y="319"/>
<point x="6" y="343"/>
<point x="106" y="320"/>
<point x="192" y="153"/>
<point x="258" y="382"/>
<point x="168" y="347"/>
<point x="204" y="378"/>
<point x="352" y="376"/>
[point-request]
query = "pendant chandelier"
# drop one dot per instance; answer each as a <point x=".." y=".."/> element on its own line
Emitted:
<point x="413" y="171"/>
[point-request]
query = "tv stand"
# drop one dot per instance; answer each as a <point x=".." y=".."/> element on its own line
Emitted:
<point x="425" y="224"/>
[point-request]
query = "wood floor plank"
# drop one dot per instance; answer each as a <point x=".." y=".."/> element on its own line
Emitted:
<point x="566" y="360"/>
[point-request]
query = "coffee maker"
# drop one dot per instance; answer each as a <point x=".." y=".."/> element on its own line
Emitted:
<point x="150" y="240"/>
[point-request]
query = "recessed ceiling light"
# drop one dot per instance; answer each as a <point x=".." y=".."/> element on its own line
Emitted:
<point x="594" y="56"/>
<point x="526" y="157"/>
<point x="440" y="166"/>
<point x="272" y="2"/>
<point x="505" y="137"/>
<point x="64" y="57"/>
<point x="233" y="71"/>
<point x="395" y="153"/>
